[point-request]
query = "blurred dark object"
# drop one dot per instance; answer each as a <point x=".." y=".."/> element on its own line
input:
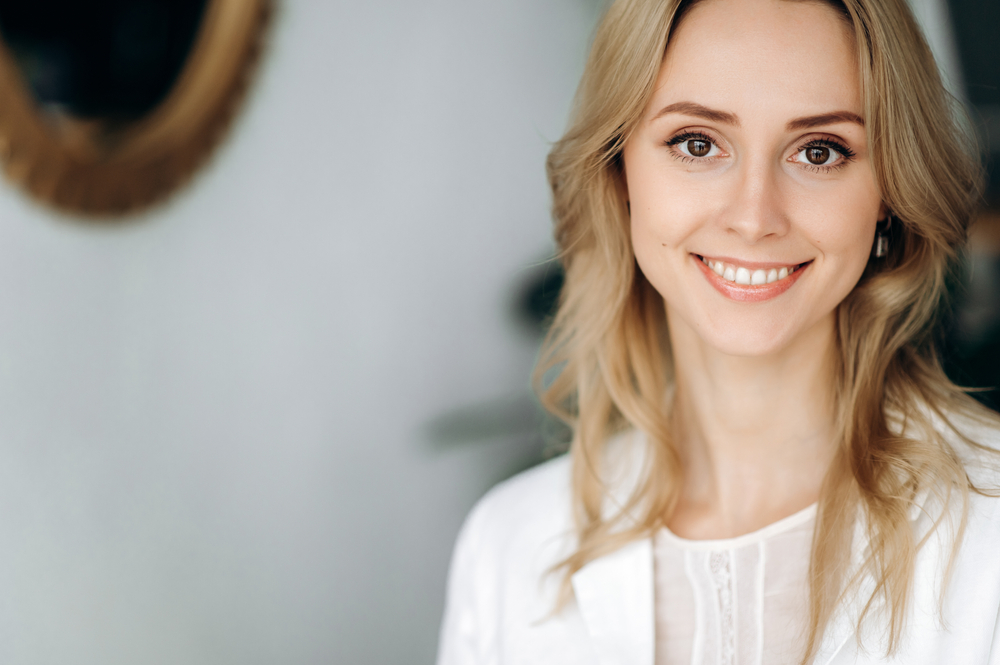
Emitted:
<point x="538" y="299"/>
<point x="972" y="346"/>
<point x="976" y="26"/>
<point x="112" y="60"/>
<point x="516" y="420"/>
<point x="111" y="105"/>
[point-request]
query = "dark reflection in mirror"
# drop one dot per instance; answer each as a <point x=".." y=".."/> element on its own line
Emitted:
<point x="113" y="60"/>
<point x="108" y="106"/>
<point x="973" y="353"/>
<point x="977" y="32"/>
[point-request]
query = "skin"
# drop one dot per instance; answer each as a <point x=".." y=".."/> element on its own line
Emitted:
<point x="754" y="407"/>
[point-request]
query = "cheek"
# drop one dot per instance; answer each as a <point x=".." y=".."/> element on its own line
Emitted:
<point x="841" y="226"/>
<point x="841" y="223"/>
<point x="657" y="229"/>
<point x="665" y="210"/>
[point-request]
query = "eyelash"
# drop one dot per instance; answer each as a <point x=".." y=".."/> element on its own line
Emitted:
<point x="845" y="152"/>
<point x="687" y="136"/>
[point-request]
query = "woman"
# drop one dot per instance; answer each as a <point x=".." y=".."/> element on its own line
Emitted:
<point x="757" y="203"/>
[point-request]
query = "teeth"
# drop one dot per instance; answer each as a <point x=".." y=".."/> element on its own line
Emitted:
<point x="744" y="276"/>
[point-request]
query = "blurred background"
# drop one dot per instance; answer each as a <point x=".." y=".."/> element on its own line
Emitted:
<point x="242" y="416"/>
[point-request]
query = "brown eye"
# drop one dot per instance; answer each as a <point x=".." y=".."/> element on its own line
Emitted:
<point x="698" y="147"/>
<point x="817" y="155"/>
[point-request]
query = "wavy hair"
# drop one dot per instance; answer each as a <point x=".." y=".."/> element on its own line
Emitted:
<point x="606" y="362"/>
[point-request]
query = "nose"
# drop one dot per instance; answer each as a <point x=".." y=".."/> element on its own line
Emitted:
<point x="756" y="210"/>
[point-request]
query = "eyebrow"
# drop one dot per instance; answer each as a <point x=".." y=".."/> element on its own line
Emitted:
<point x="699" y="111"/>
<point x="825" y="119"/>
<point x="714" y="115"/>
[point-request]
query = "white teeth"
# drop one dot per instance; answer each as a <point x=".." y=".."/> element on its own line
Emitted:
<point x="746" y="277"/>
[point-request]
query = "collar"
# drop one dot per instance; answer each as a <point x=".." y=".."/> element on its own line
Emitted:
<point x="615" y="597"/>
<point x="615" y="593"/>
<point x="843" y="624"/>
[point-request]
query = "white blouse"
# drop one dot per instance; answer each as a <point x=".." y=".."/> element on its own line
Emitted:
<point x="736" y="601"/>
<point x="628" y="606"/>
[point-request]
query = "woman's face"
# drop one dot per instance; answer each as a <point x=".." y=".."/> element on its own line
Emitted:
<point x="753" y="200"/>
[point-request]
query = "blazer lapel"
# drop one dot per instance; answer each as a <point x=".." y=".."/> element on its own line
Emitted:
<point x="615" y="597"/>
<point x="843" y="626"/>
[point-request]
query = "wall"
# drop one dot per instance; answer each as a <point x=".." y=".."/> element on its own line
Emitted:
<point x="217" y="421"/>
<point x="216" y="440"/>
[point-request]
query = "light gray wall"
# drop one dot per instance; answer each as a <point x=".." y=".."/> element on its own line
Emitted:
<point x="214" y="419"/>
<point x="214" y="440"/>
<point x="935" y="21"/>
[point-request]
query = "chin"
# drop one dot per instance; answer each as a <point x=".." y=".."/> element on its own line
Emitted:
<point x="740" y="333"/>
<point x="751" y="344"/>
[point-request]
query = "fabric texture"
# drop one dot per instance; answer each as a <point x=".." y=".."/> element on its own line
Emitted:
<point x="734" y="601"/>
<point x="501" y="592"/>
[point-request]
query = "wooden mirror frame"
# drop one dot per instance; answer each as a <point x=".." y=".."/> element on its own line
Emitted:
<point x="79" y="167"/>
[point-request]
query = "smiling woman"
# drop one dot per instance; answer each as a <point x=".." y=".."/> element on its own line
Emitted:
<point x="757" y="203"/>
<point x="753" y="178"/>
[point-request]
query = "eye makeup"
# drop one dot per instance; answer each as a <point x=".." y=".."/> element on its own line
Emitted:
<point x="846" y="154"/>
<point x="675" y="142"/>
<point x="829" y="143"/>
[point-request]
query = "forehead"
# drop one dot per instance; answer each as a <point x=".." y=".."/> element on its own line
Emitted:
<point x="747" y="55"/>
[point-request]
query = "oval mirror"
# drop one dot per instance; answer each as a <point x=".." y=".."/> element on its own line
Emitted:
<point x="110" y="105"/>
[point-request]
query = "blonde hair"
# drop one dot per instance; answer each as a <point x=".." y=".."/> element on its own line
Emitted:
<point x="606" y="363"/>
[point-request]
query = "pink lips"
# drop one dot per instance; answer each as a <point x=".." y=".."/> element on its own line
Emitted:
<point x="744" y="293"/>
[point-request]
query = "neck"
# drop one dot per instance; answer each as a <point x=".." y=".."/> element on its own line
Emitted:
<point x="755" y="434"/>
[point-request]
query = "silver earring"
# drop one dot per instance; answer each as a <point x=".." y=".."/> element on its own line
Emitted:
<point x="882" y="236"/>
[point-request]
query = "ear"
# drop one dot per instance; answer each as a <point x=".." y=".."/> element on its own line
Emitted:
<point x="883" y="212"/>
<point x="621" y="175"/>
<point x="622" y="184"/>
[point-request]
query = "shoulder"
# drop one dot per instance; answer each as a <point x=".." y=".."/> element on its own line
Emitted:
<point x="503" y="585"/>
<point x="532" y="505"/>
<point x="982" y="465"/>
<point x="517" y="532"/>
<point x="974" y="577"/>
<point x="957" y="579"/>
<point x="537" y="504"/>
<point x="976" y="440"/>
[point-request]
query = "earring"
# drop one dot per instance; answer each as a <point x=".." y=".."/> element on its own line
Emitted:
<point x="882" y="236"/>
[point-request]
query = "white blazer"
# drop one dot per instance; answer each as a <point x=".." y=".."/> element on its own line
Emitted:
<point x="500" y="597"/>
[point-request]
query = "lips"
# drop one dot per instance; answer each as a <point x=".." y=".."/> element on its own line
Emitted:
<point x="750" y="282"/>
